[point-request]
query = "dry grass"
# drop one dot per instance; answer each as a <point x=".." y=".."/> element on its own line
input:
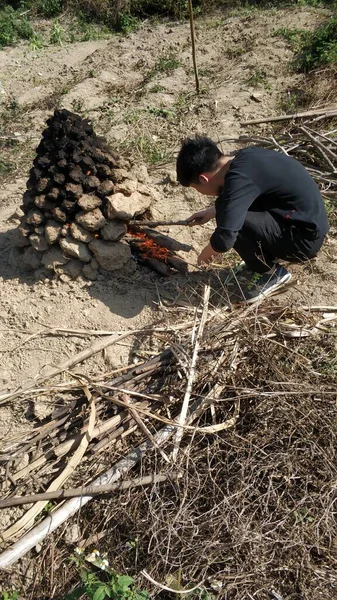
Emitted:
<point x="254" y="510"/>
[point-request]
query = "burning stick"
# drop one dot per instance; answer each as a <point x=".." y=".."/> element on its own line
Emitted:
<point x="159" y="223"/>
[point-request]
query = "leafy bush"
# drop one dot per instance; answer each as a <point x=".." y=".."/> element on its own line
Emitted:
<point x="13" y="27"/>
<point x="313" y="49"/>
<point x="319" y="47"/>
<point x="47" y="8"/>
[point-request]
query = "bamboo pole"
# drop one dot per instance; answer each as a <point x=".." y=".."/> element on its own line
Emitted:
<point x="328" y="112"/>
<point x="191" y="375"/>
<point x="190" y="10"/>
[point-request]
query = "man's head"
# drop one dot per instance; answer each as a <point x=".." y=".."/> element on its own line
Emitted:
<point x="197" y="162"/>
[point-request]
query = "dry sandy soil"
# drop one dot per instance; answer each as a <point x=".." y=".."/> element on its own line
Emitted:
<point x="146" y="109"/>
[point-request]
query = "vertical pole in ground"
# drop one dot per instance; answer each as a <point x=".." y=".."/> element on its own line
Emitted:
<point x="190" y="9"/>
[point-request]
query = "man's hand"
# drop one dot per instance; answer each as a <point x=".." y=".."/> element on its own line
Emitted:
<point x="202" y="216"/>
<point x="206" y="255"/>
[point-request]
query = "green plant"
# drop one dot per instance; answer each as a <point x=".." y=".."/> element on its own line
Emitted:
<point x="36" y="42"/>
<point x="90" y="31"/>
<point x="13" y="595"/>
<point x="319" y="48"/>
<point x="5" y="167"/>
<point x="165" y="64"/>
<point x="77" y="105"/>
<point x="159" y="112"/>
<point x="127" y="23"/>
<point x="13" y="27"/>
<point x="156" y="88"/>
<point x="257" y="77"/>
<point x="103" y="583"/>
<point x="293" y="36"/>
<point x="56" y="34"/>
<point x="294" y="99"/>
<point x="235" y="52"/>
<point x="45" y="8"/>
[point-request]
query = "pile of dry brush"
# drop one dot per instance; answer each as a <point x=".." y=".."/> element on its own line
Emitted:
<point x="252" y="512"/>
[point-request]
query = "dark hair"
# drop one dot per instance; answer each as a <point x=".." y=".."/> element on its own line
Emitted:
<point x="197" y="155"/>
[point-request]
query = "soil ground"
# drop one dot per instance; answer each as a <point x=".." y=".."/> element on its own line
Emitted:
<point x="145" y="106"/>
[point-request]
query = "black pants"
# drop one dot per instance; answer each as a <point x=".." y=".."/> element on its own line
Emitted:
<point x="263" y="239"/>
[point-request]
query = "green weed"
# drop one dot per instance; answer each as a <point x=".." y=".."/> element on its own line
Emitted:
<point x="106" y="584"/>
<point x="257" y="77"/>
<point x="235" y="52"/>
<point x="77" y="105"/>
<point x="331" y="209"/>
<point x="166" y="63"/>
<point x="45" y="8"/>
<point x="5" y="167"/>
<point x="127" y="23"/>
<point x="36" y="42"/>
<point x="294" y="99"/>
<point x="57" y="34"/>
<point x="13" y="595"/>
<point x="13" y="27"/>
<point x="85" y="31"/>
<point x="156" y="88"/>
<point x="293" y="36"/>
<point x="159" y="112"/>
<point x="313" y="49"/>
<point x="319" y="47"/>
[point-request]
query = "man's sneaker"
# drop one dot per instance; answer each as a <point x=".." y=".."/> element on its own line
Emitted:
<point x="260" y="286"/>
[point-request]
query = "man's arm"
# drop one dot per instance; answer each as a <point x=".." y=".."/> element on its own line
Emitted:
<point x="231" y="207"/>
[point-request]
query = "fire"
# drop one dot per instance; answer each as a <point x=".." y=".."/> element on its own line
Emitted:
<point x="149" y="248"/>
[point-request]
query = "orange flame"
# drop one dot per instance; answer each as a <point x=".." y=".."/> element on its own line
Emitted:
<point x="149" y="248"/>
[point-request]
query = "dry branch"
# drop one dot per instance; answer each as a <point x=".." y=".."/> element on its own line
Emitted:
<point x="159" y="223"/>
<point x="88" y="491"/>
<point x="326" y="112"/>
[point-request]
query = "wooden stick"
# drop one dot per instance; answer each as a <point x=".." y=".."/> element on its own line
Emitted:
<point x="332" y="112"/>
<point x="87" y="491"/>
<point x="191" y="376"/>
<point x="29" y="385"/>
<point x="190" y="10"/>
<point x="158" y="223"/>
<point x="306" y="130"/>
<point x="320" y="147"/>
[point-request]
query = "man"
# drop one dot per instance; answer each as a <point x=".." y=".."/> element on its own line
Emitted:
<point x="267" y="208"/>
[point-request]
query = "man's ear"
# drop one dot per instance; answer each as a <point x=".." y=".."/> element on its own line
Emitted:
<point x="203" y="178"/>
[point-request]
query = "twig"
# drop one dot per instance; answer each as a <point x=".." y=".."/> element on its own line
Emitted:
<point x="159" y="223"/>
<point x="320" y="148"/>
<point x="168" y="589"/>
<point x="142" y="426"/>
<point x="328" y="112"/>
<point x="191" y="376"/>
<point x="88" y="491"/>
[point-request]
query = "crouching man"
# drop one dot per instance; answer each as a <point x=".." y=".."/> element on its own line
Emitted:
<point x="267" y="208"/>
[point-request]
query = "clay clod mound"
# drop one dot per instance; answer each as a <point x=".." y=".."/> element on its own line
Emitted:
<point x="80" y="196"/>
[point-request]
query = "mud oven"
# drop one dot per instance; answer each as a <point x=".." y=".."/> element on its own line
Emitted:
<point x="81" y="206"/>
